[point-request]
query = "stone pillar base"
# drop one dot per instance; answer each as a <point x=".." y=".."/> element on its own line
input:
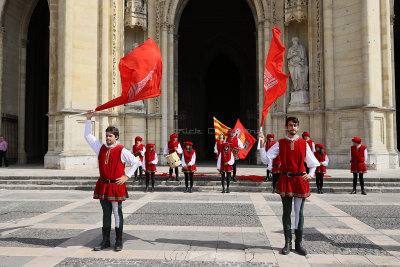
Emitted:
<point x="63" y="161"/>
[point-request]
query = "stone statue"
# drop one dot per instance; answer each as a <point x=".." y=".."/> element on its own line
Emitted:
<point x="298" y="65"/>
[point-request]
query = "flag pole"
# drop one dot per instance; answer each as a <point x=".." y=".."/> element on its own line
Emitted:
<point x="79" y="114"/>
<point x="259" y="140"/>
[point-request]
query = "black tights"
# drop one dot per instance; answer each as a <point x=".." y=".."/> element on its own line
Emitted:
<point x="140" y="172"/>
<point x="148" y="176"/>
<point x="176" y="172"/>
<point x="319" y="180"/>
<point x="234" y="170"/>
<point x="361" y="176"/>
<point x="188" y="175"/>
<point x="227" y="176"/>
<point x="275" y="177"/>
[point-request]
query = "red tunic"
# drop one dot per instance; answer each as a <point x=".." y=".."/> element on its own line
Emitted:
<point x="234" y="145"/>
<point x="321" y="168"/>
<point x="188" y="157"/>
<point x="358" y="160"/>
<point x="276" y="163"/>
<point x="111" y="168"/>
<point x="220" y="147"/>
<point x="171" y="146"/>
<point x="149" y="157"/>
<point x="225" y="158"/>
<point x="136" y="151"/>
<point x="292" y="155"/>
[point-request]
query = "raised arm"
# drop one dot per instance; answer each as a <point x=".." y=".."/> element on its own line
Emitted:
<point x="90" y="138"/>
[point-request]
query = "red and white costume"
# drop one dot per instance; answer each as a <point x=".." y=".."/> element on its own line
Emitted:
<point x="112" y="160"/>
<point x="219" y="146"/>
<point x="150" y="159"/>
<point x="309" y="141"/>
<point x="324" y="161"/>
<point x="171" y="145"/>
<point x="293" y="154"/>
<point x="225" y="157"/>
<point x="358" y="157"/>
<point x="235" y="145"/>
<point x="188" y="159"/>
<point x="138" y="150"/>
<point x="276" y="163"/>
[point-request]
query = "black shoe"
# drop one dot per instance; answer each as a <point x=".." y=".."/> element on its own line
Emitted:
<point x="297" y="243"/>
<point x="186" y="190"/>
<point x="234" y="179"/>
<point x="273" y="190"/>
<point x="321" y="192"/>
<point x="105" y="243"/>
<point x="118" y="239"/>
<point x="152" y="189"/>
<point x="353" y="192"/>
<point x="177" y="179"/>
<point x="223" y="190"/>
<point x="190" y="190"/>
<point x="363" y="192"/>
<point x="146" y="190"/>
<point x="227" y="191"/>
<point x="288" y="242"/>
<point x="170" y="178"/>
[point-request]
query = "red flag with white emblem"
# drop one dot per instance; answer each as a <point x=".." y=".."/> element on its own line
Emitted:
<point x="247" y="139"/>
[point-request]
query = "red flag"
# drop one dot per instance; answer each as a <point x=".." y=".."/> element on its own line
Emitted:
<point x="247" y="139"/>
<point x="274" y="78"/>
<point x="141" y="72"/>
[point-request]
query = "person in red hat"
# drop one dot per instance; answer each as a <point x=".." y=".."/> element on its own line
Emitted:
<point x="358" y="157"/>
<point x="293" y="181"/>
<point x="219" y="145"/>
<point x="322" y="157"/>
<point x="150" y="161"/>
<point x="110" y="187"/>
<point x="188" y="164"/>
<point x="306" y="136"/>
<point x="173" y="146"/>
<point x="276" y="163"/>
<point x="138" y="150"/>
<point x="235" y="146"/>
<point x="224" y="166"/>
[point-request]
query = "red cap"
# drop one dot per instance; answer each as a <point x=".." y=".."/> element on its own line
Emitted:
<point x="270" y="136"/>
<point x="174" y="135"/>
<point x="138" y="138"/>
<point x="150" y="146"/>
<point x="306" y="134"/>
<point x="357" y="140"/>
<point x="188" y="143"/>
<point x="319" y="145"/>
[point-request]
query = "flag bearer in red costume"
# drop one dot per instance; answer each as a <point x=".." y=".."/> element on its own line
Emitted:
<point x="224" y="166"/>
<point x="173" y="146"/>
<point x="276" y="163"/>
<point x="358" y="157"/>
<point x="235" y="145"/>
<point x="150" y="161"/>
<point x="138" y="150"/>
<point x="219" y="145"/>
<point x="322" y="157"/>
<point x="188" y="164"/>
<point x="293" y="181"/>
<point x="110" y="187"/>
<point x="306" y="136"/>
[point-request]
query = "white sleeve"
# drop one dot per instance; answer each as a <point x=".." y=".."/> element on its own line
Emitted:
<point x="155" y="161"/>
<point x="272" y="152"/>
<point x="166" y="151"/>
<point x="313" y="147"/>
<point x="183" y="161"/>
<point x="240" y="143"/>
<point x="326" y="162"/>
<point x="215" y="149"/>
<point x="219" y="162"/>
<point x="350" y="154"/>
<point x="91" y="139"/>
<point x="263" y="156"/>
<point x="365" y="155"/>
<point x="179" y="149"/>
<point x="128" y="158"/>
<point x="193" y="160"/>
<point x="144" y="163"/>
<point x="131" y="150"/>
<point x="143" y="151"/>
<point x="232" y="161"/>
<point x="311" y="161"/>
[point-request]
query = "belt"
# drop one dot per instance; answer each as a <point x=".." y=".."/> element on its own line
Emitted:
<point x="292" y="174"/>
<point x="107" y="180"/>
<point x="356" y="161"/>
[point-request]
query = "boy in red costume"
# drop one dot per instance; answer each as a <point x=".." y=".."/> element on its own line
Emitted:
<point x="188" y="164"/>
<point x="322" y="157"/>
<point x="224" y="166"/>
<point x="219" y="145"/>
<point x="110" y="187"/>
<point x="138" y="150"/>
<point x="235" y="146"/>
<point x="293" y="181"/>
<point x="150" y="161"/>
<point x="306" y="136"/>
<point x="358" y="157"/>
<point x="173" y="146"/>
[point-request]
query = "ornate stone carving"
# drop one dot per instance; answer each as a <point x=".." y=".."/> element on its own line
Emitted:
<point x="298" y="68"/>
<point x="295" y="10"/>
<point x="136" y="14"/>
<point x="160" y="4"/>
<point x="114" y="48"/>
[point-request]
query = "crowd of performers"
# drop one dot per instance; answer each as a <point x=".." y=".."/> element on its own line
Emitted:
<point x="292" y="161"/>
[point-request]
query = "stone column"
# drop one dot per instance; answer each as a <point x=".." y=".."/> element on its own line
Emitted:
<point x="170" y="78"/>
<point x="1" y="74"/>
<point x="328" y="55"/>
<point x="21" y="103"/>
<point x="260" y="59"/>
<point x="164" y="86"/>
<point x="387" y="82"/>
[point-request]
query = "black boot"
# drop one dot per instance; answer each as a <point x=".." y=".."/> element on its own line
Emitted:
<point x="105" y="243"/>
<point x="190" y="190"/>
<point x="297" y="243"/>
<point x="118" y="239"/>
<point x="288" y="242"/>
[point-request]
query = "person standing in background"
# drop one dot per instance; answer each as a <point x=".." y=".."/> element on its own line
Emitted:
<point x="3" y="151"/>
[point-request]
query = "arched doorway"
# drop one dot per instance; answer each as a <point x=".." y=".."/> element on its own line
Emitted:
<point x="217" y="70"/>
<point x="37" y="84"/>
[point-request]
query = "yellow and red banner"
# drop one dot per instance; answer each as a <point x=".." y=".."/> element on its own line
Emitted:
<point x="247" y="139"/>
<point x="220" y="129"/>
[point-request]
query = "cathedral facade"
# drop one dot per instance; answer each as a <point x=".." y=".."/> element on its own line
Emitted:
<point x="61" y="57"/>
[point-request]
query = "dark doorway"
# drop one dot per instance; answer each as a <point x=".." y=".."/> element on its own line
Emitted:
<point x="217" y="71"/>
<point x="37" y="84"/>
<point x="396" y="36"/>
